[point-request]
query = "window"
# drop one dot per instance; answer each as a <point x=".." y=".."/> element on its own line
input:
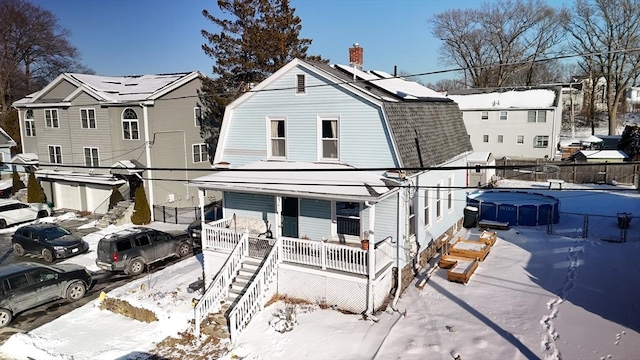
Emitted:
<point x="29" y="124"/>
<point x="197" y="116"/>
<point x="300" y="84"/>
<point x="520" y="140"/>
<point x="18" y="282"/>
<point x="500" y="138"/>
<point x="485" y="138"/>
<point x="42" y="275"/>
<point x="51" y="118"/>
<point x="450" y="194"/>
<point x="130" y="125"/>
<point x="412" y="218"/>
<point x="503" y="115"/>
<point x="438" y="202"/>
<point x="91" y="157"/>
<point x="537" y="116"/>
<point x="329" y="130"/>
<point x="278" y="138"/>
<point x="541" y="141"/>
<point x="484" y="115"/>
<point x="55" y="154"/>
<point x="348" y="218"/>
<point x="200" y="153"/>
<point x="88" y="118"/>
<point x="427" y="210"/>
<point x="142" y="240"/>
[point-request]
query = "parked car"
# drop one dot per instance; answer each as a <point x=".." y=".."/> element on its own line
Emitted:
<point x="131" y="250"/>
<point x="195" y="228"/>
<point x="26" y="285"/>
<point x="14" y="212"/>
<point x="49" y="240"/>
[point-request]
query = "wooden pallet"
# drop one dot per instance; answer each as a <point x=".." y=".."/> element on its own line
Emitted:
<point x="490" y="224"/>
<point x="470" y="249"/>
<point x="463" y="269"/>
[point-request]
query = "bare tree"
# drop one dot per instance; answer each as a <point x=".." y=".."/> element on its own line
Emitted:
<point x="34" y="48"/>
<point x="608" y="33"/>
<point x="500" y="43"/>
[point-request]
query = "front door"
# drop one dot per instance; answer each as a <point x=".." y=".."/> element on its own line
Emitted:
<point x="290" y="217"/>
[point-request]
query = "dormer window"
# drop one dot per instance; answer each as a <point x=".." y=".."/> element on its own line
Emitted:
<point x="300" y="84"/>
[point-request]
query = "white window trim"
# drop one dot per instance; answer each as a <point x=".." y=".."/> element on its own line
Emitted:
<point x="195" y="115"/>
<point x="506" y="115"/>
<point x="29" y="124"/>
<point x="426" y="209"/>
<point x="95" y="120"/>
<point x="204" y="156"/>
<point x="450" y="204"/>
<point x="49" y="153"/>
<point x="482" y="114"/>
<point x="123" y="120"/>
<point x="500" y="139"/>
<point x="304" y="90"/>
<point x="46" y="125"/>
<point x="519" y="143"/>
<point x="438" y="202"/>
<point x="535" y="142"/>
<point x="487" y="137"/>
<point x="286" y="143"/>
<point x="319" y="145"/>
<point x="84" y="155"/>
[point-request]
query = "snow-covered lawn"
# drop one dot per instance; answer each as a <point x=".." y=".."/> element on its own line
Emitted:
<point x="534" y="296"/>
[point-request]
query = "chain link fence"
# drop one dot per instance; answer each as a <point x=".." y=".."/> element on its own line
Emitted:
<point x="616" y="228"/>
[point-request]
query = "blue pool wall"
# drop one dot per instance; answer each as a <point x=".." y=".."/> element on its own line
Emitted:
<point x="536" y="213"/>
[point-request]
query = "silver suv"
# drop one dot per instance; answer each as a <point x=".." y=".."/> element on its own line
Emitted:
<point x="131" y="250"/>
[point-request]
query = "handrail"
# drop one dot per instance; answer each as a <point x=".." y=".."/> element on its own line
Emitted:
<point x="254" y="298"/>
<point x="219" y="287"/>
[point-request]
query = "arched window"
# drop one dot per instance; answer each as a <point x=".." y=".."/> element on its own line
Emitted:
<point x="130" y="125"/>
<point x="29" y="123"/>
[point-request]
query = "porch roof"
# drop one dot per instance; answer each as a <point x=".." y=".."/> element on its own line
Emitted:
<point x="291" y="178"/>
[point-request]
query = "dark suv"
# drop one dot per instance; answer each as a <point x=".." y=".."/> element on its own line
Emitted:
<point x="132" y="249"/>
<point x="26" y="285"/>
<point x="49" y="240"/>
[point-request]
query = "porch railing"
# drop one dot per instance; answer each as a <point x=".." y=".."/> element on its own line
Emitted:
<point x="257" y="293"/>
<point x="324" y="255"/>
<point x="384" y="253"/>
<point x="219" y="288"/>
<point x="219" y="238"/>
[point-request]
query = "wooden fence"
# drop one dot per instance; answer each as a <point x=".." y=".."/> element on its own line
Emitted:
<point x="583" y="174"/>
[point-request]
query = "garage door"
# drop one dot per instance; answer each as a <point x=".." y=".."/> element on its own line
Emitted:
<point x="67" y="196"/>
<point x="98" y="198"/>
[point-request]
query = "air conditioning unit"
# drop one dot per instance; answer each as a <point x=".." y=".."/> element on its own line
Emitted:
<point x="172" y="197"/>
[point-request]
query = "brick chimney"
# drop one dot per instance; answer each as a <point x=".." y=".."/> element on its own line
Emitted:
<point x="356" y="56"/>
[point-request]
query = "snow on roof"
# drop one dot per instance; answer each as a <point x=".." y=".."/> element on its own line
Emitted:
<point x="395" y="85"/>
<point x="591" y="139"/>
<point x="512" y="99"/>
<point x="25" y="158"/>
<point x="5" y="139"/>
<point x="478" y="156"/>
<point x="313" y="179"/>
<point x="79" y="177"/>
<point x="126" y="88"/>
<point x="603" y="154"/>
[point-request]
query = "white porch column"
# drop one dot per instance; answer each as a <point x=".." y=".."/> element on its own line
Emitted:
<point x="277" y="233"/>
<point x="372" y="256"/>
<point x="201" y="203"/>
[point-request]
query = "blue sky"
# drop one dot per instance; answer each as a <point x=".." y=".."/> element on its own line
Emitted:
<point x="126" y="37"/>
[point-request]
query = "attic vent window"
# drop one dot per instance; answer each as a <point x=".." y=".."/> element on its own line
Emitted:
<point x="300" y="84"/>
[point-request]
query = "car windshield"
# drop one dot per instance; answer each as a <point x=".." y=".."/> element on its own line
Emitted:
<point x="53" y="233"/>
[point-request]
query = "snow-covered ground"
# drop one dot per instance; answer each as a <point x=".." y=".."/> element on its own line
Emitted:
<point x="535" y="296"/>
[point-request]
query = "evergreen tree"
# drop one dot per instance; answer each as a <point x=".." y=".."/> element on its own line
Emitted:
<point x="115" y="198"/>
<point x="35" y="193"/>
<point x="141" y="212"/>
<point x="630" y="141"/>
<point x="17" y="183"/>
<point x="255" y="38"/>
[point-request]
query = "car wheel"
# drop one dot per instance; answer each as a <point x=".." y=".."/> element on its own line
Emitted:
<point x="42" y="213"/>
<point x="76" y="291"/>
<point x="47" y="255"/>
<point x="184" y="249"/>
<point x="5" y="317"/>
<point x="3" y="223"/>
<point x="136" y="267"/>
<point x="18" y="249"/>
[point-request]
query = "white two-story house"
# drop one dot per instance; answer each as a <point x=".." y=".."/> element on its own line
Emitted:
<point x="92" y="132"/>
<point x="328" y="156"/>
<point x="515" y="123"/>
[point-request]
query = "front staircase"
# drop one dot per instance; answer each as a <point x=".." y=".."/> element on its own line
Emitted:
<point x="241" y="282"/>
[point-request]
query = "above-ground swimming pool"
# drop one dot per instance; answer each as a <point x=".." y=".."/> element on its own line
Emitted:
<point x="515" y="207"/>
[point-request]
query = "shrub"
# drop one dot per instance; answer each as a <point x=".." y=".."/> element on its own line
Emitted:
<point x="35" y="194"/>
<point x="17" y="183"/>
<point x="116" y="197"/>
<point x="141" y="212"/>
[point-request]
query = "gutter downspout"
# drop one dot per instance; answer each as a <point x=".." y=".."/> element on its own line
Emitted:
<point x="372" y="262"/>
<point x="396" y="297"/>
<point x="186" y="164"/>
<point x="147" y="148"/>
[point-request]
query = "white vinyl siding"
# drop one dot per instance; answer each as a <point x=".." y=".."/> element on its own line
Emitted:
<point x="91" y="157"/>
<point x="88" y="118"/>
<point x="200" y="153"/>
<point x="51" y="118"/>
